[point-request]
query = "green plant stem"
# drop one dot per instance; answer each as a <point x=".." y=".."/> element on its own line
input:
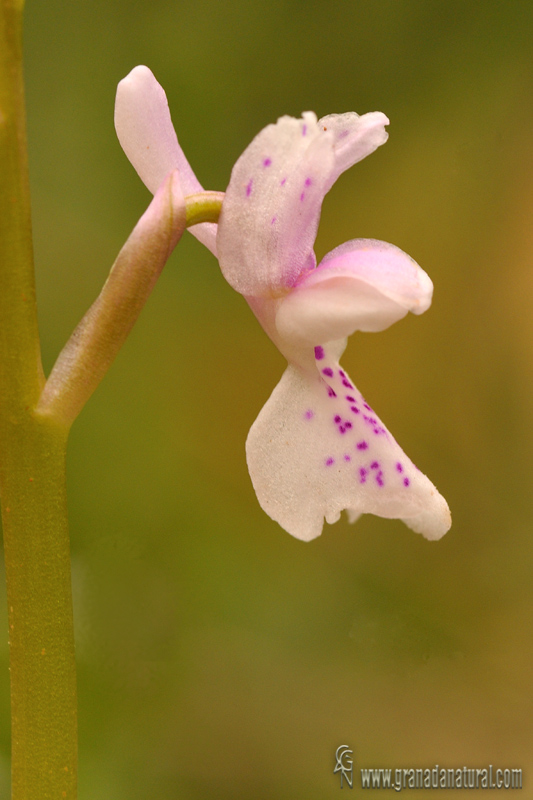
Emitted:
<point x="32" y="481"/>
<point x="203" y="207"/>
<point x="43" y="676"/>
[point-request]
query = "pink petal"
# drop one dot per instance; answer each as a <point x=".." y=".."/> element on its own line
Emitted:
<point x="147" y="136"/>
<point x="355" y="137"/>
<point x="272" y="206"/>
<point x="317" y="448"/>
<point x="362" y="285"/>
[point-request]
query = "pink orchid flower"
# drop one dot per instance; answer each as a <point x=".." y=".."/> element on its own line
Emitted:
<point x="317" y="447"/>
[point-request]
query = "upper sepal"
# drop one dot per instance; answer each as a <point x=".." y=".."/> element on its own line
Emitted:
<point x="146" y="133"/>
<point x="271" y="210"/>
<point x="147" y="136"/>
<point x="355" y="137"/>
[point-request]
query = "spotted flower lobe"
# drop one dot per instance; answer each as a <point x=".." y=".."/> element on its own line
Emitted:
<point x="317" y="447"/>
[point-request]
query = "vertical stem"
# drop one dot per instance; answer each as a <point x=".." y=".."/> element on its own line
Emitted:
<point x="41" y="642"/>
<point x="32" y="481"/>
<point x="20" y="369"/>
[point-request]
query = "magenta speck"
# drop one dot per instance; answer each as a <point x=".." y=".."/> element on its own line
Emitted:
<point x="331" y="392"/>
<point x="347" y="384"/>
<point x="329" y="462"/>
<point x="337" y="419"/>
<point x="342" y="373"/>
<point x="367" y="406"/>
<point x="351" y="399"/>
<point x="362" y="475"/>
<point x="309" y="414"/>
<point x="348" y="425"/>
<point x="374" y="465"/>
<point x="319" y="353"/>
<point x="249" y="187"/>
<point x="267" y="162"/>
<point x="283" y="182"/>
<point x="355" y="409"/>
<point x="347" y="457"/>
<point x="304" y="130"/>
<point x="273" y="220"/>
<point x="362" y="445"/>
<point x="399" y="467"/>
<point x="406" y="481"/>
<point x="379" y="479"/>
<point x="302" y="197"/>
<point x="308" y="181"/>
<point x="327" y="371"/>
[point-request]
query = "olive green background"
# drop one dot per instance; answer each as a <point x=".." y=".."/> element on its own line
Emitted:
<point x="218" y="657"/>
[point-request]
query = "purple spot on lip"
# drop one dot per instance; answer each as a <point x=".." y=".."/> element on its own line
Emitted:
<point x="379" y="479"/>
<point x="329" y="462"/>
<point x="308" y="181"/>
<point x="249" y="187"/>
<point x="342" y="135"/>
<point x="319" y="353"/>
<point x="347" y="384"/>
<point x="374" y="465"/>
<point x="273" y="220"/>
<point x="362" y="445"/>
<point x="348" y="425"/>
<point x="267" y="162"/>
<point x="399" y="467"/>
<point x="362" y="473"/>
<point x="342" y="374"/>
<point x="351" y="399"/>
<point x="337" y="419"/>
<point x="355" y="409"/>
<point x="347" y="457"/>
<point x="304" y="130"/>
<point x="302" y="197"/>
<point x="367" y="406"/>
<point x="328" y="371"/>
<point x="283" y="182"/>
<point x="342" y="429"/>
<point x="309" y="414"/>
<point x="331" y="392"/>
<point x="406" y="481"/>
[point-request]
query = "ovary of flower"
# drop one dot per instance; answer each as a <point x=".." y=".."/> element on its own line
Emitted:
<point x="317" y="447"/>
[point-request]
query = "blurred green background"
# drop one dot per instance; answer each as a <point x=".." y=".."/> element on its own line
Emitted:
<point x="218" y="657"/>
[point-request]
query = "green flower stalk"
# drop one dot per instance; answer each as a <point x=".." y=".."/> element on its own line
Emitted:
<point x="32" y="480"/>
<point x="35" y="418"/>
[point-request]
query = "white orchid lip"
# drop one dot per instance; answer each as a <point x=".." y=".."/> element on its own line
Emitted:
<point x="318" y="447"/>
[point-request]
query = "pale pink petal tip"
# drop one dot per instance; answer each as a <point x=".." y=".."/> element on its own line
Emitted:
<point x="146" y="133"/>
<point x="144" y="127"/>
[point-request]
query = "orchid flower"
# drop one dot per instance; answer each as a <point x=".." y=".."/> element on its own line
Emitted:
<point x="317" y="447"/>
